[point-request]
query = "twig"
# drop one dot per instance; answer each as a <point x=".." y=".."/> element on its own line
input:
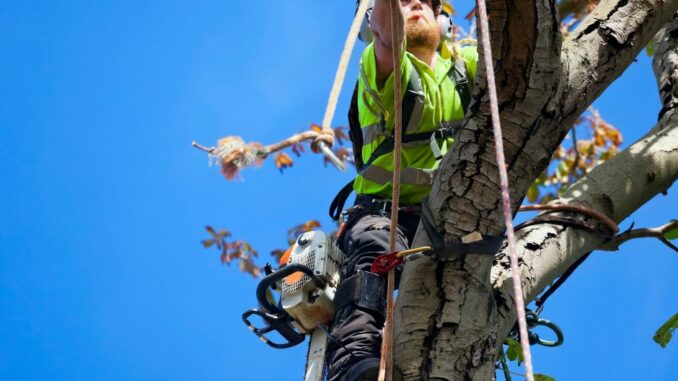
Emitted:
<point x="203" y="148"/>
<point x="292" y="140"/>
<point x="658" y="232"/>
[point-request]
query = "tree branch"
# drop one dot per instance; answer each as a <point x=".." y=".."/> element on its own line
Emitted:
<point x="617" y="188"/>
<point x="603" y="46"/>
<point x="658" y="232"/>
<point x="450" y="319"/>
<point x="526" y="48"/>
<point x="665" y="66"/>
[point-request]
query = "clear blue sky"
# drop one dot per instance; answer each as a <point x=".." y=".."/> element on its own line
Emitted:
<point x="103" y="203"/>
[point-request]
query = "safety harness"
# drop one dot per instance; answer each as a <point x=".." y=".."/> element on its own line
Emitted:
<point x="457" y="74"/>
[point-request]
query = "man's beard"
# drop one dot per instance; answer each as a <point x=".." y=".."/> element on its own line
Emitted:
<point x="421" y="34"/>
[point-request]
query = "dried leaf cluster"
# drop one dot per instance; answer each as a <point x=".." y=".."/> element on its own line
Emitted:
<point x="239" y="251"/>
<point x="233" y="154"/>
<point x="244" y="253"/>
<point x="577" y="156"/>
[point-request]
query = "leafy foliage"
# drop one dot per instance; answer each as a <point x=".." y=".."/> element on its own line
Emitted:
<point x="671" y="234"/>
<point x="575" y="158"/>
<point x="283" y="160"/>
<point x="665" y="332"/>
<point x="292" y="235"/>
<point x="514" y="352"/>
<point x="233" y="154"/>
<point x="242" y="251"/>
<point x="239" y="251"/>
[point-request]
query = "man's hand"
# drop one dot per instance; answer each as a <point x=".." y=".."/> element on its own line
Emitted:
<point x="380" y="23"/>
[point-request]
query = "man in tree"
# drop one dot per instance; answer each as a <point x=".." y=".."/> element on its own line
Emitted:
<point x="434" y="103"/>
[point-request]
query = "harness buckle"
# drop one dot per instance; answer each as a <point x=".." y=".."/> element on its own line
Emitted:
<point x="382" y="205"/>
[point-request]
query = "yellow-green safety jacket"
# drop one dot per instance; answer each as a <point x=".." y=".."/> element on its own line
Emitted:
<point x="437" y="105"/>
<point x="433" y="106"/>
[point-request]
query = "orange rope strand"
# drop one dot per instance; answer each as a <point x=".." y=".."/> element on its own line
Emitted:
<point x="386" y="364"/>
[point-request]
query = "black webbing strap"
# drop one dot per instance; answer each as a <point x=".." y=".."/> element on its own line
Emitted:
<point x="364" y="289"/>
<point x="386" y="146"/>
<point x="541" y="299"/>
<point x="462" y="84"/>
<point x="564" y="221"/>
<point x="442" y="250"/>
<point x="456" y="74"/>
<point x="354" y="131"/>
<point x="337" y="205"/>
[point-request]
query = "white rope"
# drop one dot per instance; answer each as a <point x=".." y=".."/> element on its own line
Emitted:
<point x="343" y="66"/>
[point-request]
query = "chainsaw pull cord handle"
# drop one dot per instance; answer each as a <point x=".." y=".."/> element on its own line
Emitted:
<point x="274" y="277"/>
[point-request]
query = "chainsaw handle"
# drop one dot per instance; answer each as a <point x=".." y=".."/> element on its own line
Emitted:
<point x="278" y="275"/>
<point x="281" y="324"/>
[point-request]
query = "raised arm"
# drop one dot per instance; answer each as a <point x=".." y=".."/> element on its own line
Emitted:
<point x="380" y="23"/>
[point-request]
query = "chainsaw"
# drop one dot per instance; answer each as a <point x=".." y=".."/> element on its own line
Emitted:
<point x="306" y="284"/>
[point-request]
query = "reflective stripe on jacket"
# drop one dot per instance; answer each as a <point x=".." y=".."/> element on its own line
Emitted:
<point x="437" y="104"/>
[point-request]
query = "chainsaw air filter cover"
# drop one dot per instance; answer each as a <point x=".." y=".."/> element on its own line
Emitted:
<point x="309" y="303"/>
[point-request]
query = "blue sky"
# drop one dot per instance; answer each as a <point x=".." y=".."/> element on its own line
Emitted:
<point x="104" y="202"/>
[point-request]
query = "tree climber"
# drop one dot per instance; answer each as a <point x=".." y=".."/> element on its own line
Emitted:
<point x="437" y="95"/>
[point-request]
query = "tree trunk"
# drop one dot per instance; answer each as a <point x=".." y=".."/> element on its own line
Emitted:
<point x="450" y="320"/>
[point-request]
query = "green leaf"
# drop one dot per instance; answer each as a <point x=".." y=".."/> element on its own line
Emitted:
<point x="543" y="377"/>
<point x="533" y="192"/>
<point x="671" y="234"/>
<point x="665" y="332"/>
<point x="514" y="351"/>
<point x="649" y="49"/>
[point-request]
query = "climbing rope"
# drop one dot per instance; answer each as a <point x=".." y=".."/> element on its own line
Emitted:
<point x="343" y="66"/>
<point x="503" y="177"/>
<point x="233" y="154"/>
<point x="386" y="361"/>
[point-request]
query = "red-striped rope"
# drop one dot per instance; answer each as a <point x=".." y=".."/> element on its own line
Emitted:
<point x="505" y="198"/>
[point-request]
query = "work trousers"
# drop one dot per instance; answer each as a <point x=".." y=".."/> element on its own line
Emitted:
<point x="358" y="331"/>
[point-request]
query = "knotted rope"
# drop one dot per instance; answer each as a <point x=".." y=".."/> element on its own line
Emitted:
<point x="233" y="154"/>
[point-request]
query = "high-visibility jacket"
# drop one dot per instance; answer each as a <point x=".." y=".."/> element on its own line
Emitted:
<point x="438" y="104"/>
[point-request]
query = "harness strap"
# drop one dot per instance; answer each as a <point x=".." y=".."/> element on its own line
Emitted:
<point x="462" y="84"/>
<point x="354" y="132"/>
<point x="364" y="289"/>
<point x="411" y="102"/>
<point x="337" y="205"/>
<point x="444" y="250"/>
<point x="541" y="299"/>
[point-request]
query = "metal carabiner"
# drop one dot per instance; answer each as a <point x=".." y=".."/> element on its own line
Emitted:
<point x="560" y="338"/>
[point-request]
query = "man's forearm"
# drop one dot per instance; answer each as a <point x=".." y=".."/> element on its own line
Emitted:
<point x="380" y="23"/>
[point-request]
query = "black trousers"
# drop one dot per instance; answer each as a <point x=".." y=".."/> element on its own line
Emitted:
<point x="357" y="330"/>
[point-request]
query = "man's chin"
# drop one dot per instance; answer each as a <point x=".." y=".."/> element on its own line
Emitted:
<point x="422" y="35"/>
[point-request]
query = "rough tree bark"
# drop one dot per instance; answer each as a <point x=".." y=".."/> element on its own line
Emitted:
<point x="452" y="316"/>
